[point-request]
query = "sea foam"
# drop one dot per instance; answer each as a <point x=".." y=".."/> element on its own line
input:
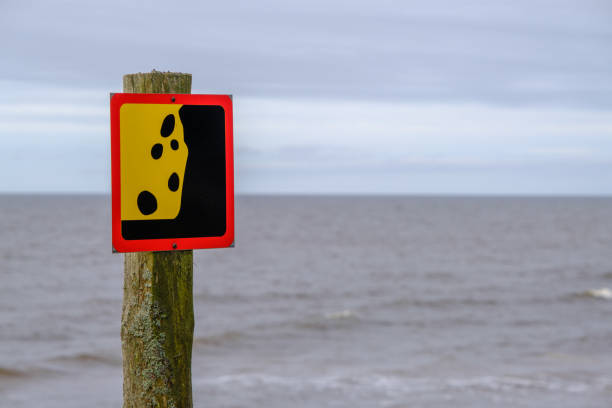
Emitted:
<point x="601" y="293"/>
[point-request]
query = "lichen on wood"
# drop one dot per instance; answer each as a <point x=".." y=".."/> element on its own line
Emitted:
<point x="157" y="317"/>
<point x="157" y="329"/>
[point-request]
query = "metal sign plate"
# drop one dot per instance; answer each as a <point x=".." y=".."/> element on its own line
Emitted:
<point x="172" y="172"/>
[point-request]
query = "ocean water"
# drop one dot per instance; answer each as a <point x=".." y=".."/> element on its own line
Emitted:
<point x="328" y="302"/>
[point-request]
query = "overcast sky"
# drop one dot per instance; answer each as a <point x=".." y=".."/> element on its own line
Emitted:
<point x="431" y="97"/>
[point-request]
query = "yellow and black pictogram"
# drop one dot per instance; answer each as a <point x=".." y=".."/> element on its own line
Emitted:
<point x="151" y="149"/>
<point x="172" y="171"/>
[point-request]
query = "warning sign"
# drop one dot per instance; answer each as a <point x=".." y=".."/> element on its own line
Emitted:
<point x="172" y="172"/>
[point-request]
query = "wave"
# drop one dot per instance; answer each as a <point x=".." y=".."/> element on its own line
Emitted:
<point x="443" y="303"/>
<point x="327" y="321"/>
<point x="343" y="314"/>
<point x="58" y="365"/>
<point x="243" y="298"/>
<point x="399" y="385"/>
<point x="88" y="358"/>
<point x="11" y="373"/>
<point x="316" y="322"/>
<point x="601" y="293"/>
<point x="321" y="322"/>
<point x="219" y="339"/>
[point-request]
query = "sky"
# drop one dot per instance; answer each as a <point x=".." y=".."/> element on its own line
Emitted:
<point x="341" y="97"/>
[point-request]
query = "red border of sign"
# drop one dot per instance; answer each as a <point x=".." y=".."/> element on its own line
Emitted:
<point x="168" y="244"/>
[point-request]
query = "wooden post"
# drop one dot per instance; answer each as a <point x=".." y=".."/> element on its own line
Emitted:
<point x="157" y="317"/>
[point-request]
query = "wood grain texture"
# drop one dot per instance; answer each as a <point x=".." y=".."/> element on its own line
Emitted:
<point x="157" y="82"/>
<point x="157" y="317"/>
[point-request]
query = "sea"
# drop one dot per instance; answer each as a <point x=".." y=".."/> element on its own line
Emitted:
<point x="328" y="301"/>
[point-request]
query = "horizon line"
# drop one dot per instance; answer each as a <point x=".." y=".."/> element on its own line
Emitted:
<point x="341" y="194"/>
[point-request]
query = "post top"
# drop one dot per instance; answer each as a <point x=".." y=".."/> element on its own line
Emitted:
<point x="157" y="82"/>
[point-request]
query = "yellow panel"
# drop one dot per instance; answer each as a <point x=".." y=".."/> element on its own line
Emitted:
<point x="143" y="175"/>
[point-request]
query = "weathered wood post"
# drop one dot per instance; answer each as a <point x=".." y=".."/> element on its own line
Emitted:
<point x="157" y="317"/>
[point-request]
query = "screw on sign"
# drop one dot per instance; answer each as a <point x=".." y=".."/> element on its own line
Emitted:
<point x="172" y="171"/>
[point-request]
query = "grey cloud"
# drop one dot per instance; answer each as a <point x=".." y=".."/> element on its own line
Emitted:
<point x="521" y="52"/>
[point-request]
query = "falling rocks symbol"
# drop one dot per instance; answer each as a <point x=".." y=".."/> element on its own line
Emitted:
<point x="203" y="201"/>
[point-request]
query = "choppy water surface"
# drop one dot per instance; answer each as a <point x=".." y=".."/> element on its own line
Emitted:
<point x="329" y="301"/>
